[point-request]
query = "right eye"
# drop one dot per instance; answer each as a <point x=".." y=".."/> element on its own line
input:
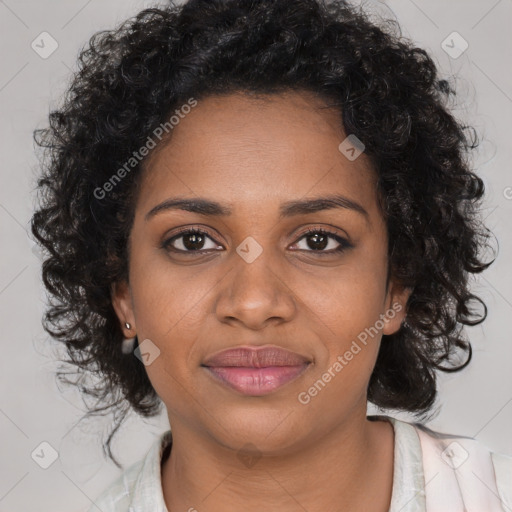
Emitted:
<point x="190" y="240"/>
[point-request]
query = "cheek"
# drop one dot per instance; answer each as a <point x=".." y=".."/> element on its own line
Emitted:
<point x="167" y="297"/>
<point x="348" y="351"/>
<point x="347" y="300"/>
<point x="345" y="311"/>
<point x="349" y="325"/>
<point x="169" y="308"/>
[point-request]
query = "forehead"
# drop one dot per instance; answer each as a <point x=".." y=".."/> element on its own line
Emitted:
<point x="244" y="151"/>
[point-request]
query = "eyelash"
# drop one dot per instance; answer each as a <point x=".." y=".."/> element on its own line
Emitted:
<point x="343" y="243"/>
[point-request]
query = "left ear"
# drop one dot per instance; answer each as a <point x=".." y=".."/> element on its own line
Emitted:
<point x="122" y="303"/>
<point x="395" y="312"/>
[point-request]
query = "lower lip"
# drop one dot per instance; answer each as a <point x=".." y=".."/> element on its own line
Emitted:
<point x="256" y="381"/>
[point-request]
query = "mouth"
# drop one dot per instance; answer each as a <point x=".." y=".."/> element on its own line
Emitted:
<point x="256" y="371"/>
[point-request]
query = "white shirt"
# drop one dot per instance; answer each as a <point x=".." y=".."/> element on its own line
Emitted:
<point x="433" y="472"/>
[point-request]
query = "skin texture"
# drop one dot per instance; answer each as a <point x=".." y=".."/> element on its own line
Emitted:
<point x="251" y="156"/>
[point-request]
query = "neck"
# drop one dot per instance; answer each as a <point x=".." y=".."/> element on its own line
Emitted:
<point x="348" y="468"/>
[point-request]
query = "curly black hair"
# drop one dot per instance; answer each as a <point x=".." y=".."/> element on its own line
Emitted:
<point x="131" y="79"/>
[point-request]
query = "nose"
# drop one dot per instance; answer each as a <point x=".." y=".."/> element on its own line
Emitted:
<point x="255" y="294"/>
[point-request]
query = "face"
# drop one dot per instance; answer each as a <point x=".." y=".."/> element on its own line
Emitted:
<point x="264" y="265"/>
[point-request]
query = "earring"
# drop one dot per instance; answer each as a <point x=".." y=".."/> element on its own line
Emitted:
<point x="127" y="345"/>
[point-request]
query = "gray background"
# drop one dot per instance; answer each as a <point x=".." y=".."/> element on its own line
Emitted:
<point x="476" y="402"/>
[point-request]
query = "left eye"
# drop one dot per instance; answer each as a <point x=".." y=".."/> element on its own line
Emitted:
<point x="322" y="240"/>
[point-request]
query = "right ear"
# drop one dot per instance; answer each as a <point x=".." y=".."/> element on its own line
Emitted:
<point x="123" y="306"/>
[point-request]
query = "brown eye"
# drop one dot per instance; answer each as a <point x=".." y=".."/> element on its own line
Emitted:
<point x="190" y="240"/>
<point x="323" y="241"/>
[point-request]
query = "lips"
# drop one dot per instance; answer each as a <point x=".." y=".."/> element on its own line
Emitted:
<point x="252" y="357"/>
<point x="255" y="371"/>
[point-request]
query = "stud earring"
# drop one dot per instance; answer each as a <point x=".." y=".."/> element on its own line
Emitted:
<point x="128" y="343"/>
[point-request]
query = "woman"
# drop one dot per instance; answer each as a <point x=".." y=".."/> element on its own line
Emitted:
<point x="260" y="215"/>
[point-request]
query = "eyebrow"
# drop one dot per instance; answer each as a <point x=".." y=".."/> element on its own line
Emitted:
<point x="205" y="206"/>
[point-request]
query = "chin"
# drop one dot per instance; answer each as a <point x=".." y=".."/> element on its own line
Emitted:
<point x="272" y="431"/>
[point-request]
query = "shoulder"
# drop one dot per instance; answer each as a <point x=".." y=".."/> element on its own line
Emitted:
<point x="139" y="486"/>
<point x="472" y="472"/>
<point x="118" y="495"/>
<point x="503" y="469"/>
